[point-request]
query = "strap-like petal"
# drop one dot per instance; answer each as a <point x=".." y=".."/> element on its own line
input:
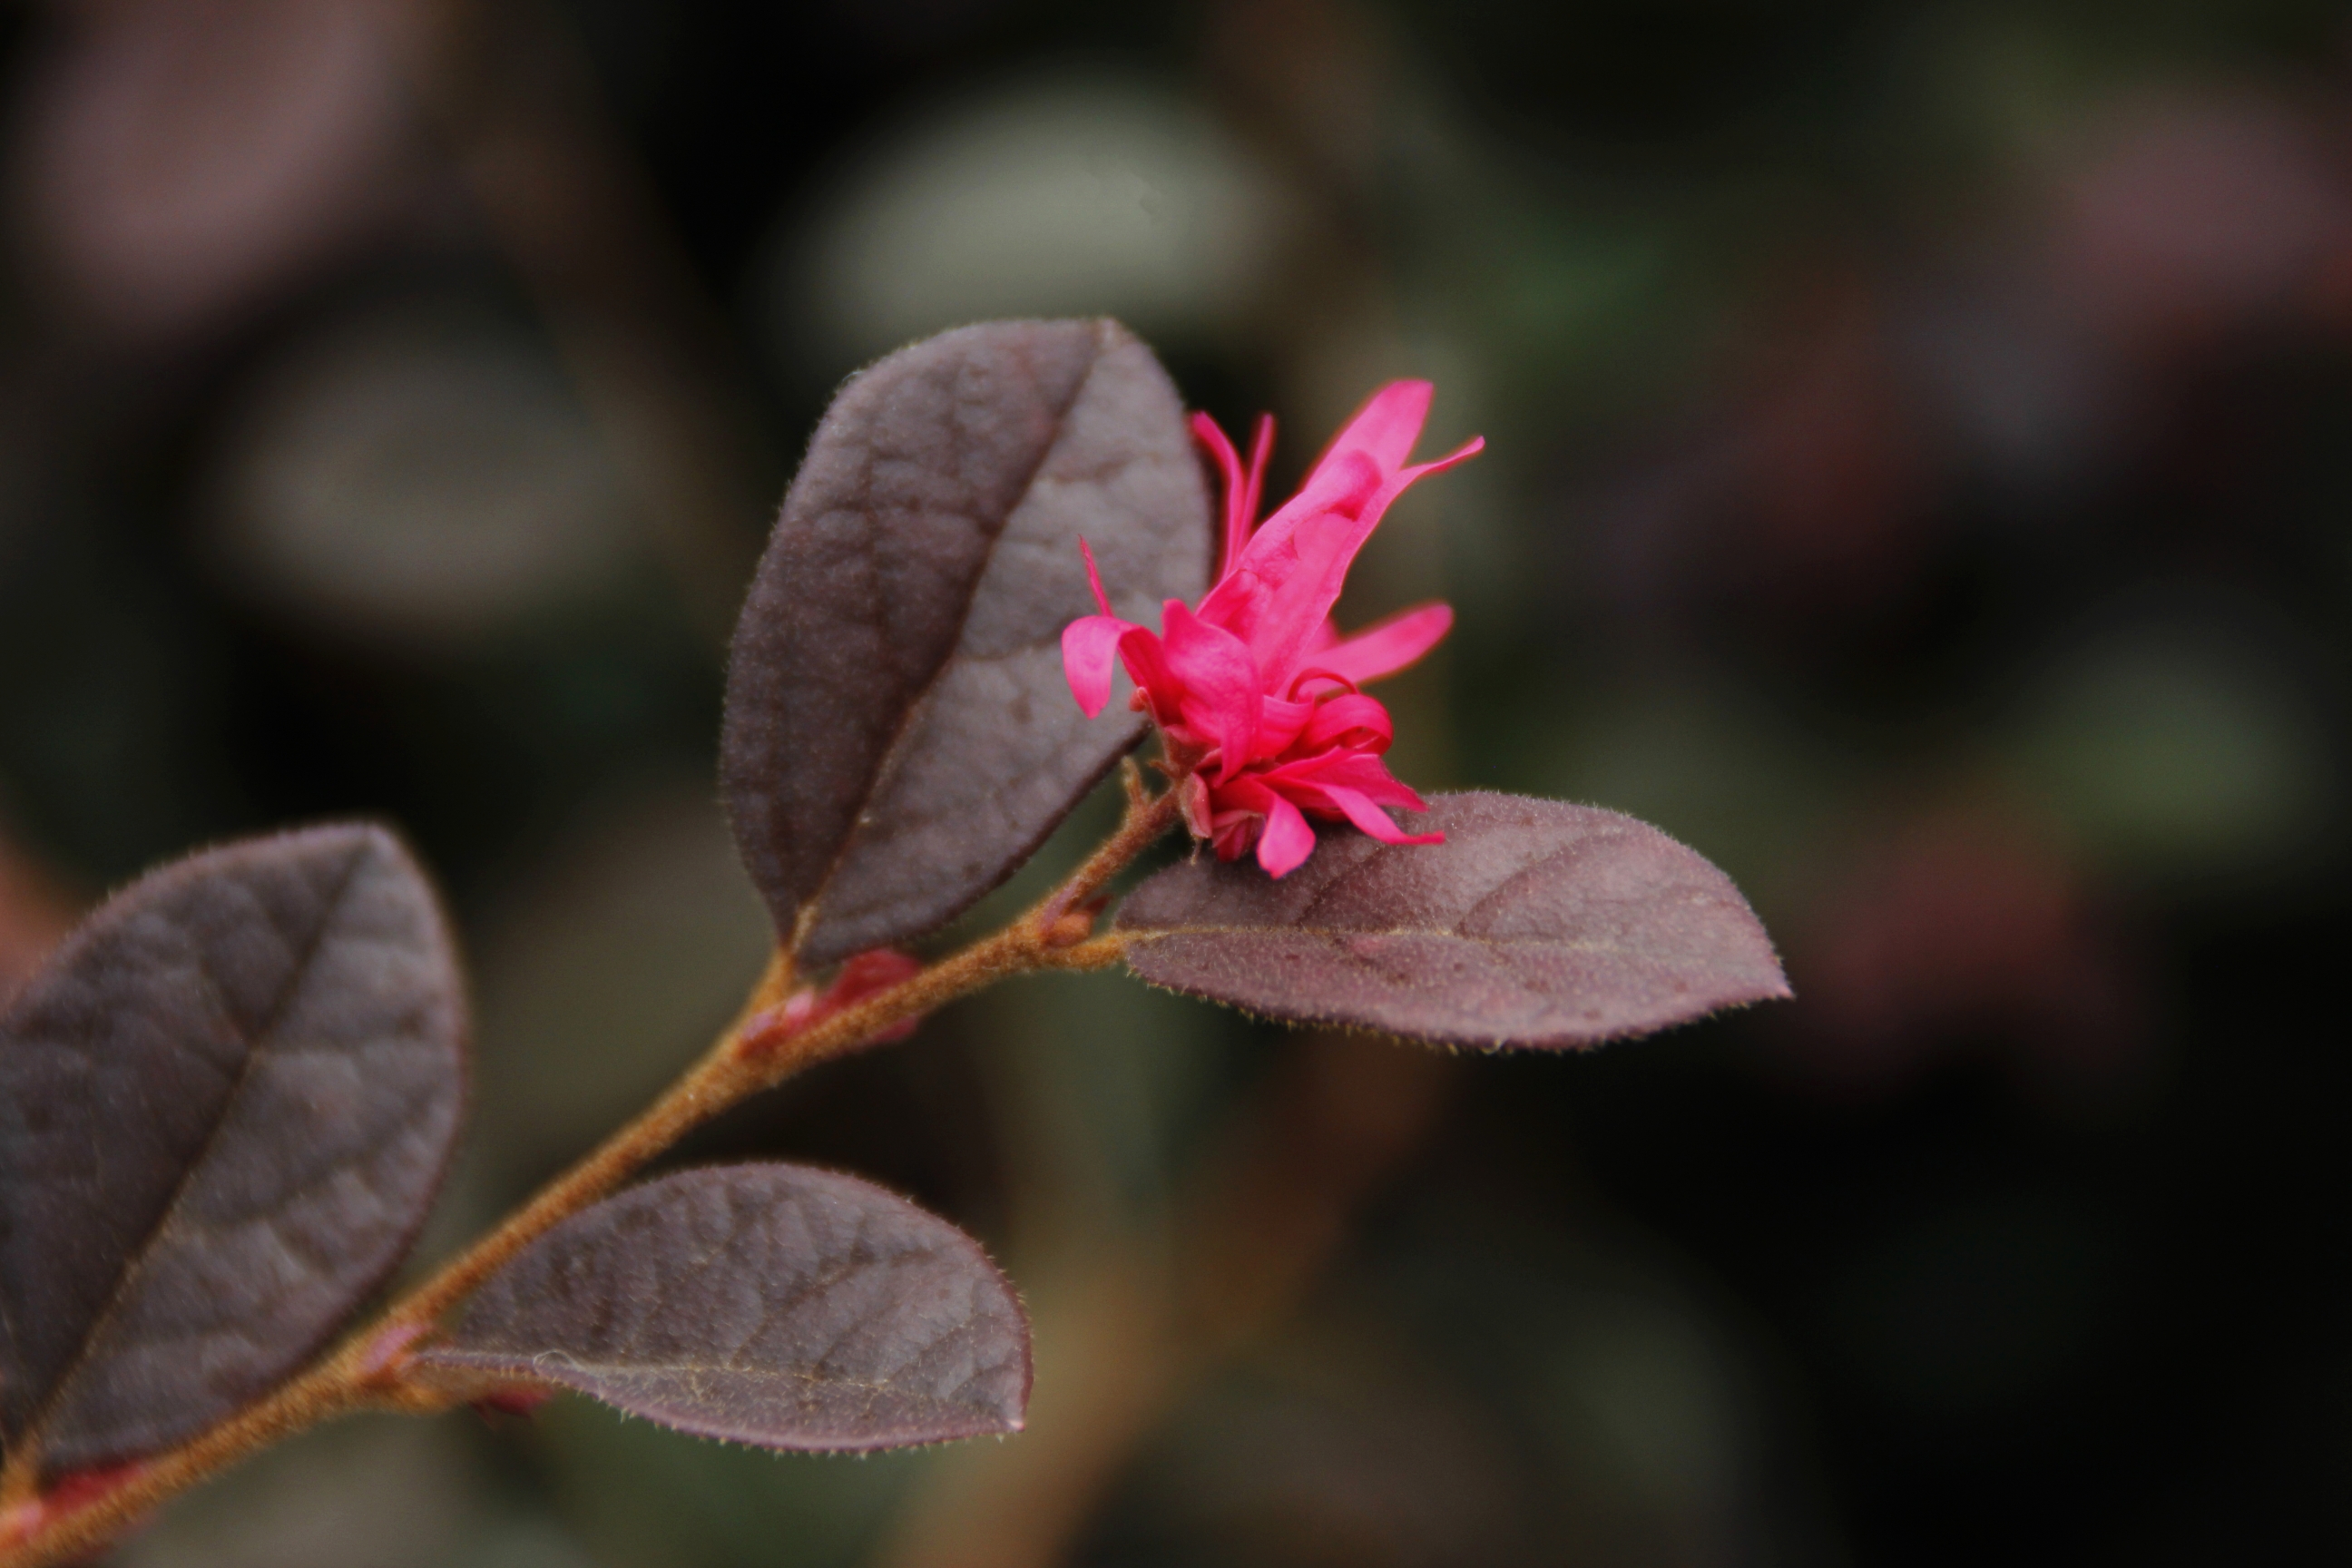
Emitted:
<point x="1386" y="427"/>
<point x="1254" y="493"/>
<point x="1211" y="436"/>
<point x="1299" y="546"/>
<point x="1146" y="658"/>
<point x="1299" y="563"/>
<point x="1244" y="485"/>
<point x="1286" y="841"/>
<point x="1386" y="646"/>
<point x="1220" y="683"/>
<point x="1373" y="820"/>
<point x="1093" y="576"/>
<point x="1088" y="644"/>
<point x="1279" y="722"/>
<point x="1361" y="771"/>
<point x="1352" y="720"/>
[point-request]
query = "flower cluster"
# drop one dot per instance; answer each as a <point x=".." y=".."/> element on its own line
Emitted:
<point x="1256" y="695"/>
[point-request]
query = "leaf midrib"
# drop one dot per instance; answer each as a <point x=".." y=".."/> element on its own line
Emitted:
<point x="807" y="928"/>
<point x="135" y="1260"/>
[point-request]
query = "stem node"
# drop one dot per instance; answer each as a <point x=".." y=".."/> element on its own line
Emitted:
<point x="876" y="997"/>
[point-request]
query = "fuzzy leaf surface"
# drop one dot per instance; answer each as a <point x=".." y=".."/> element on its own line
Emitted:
<point x="899" y="736"/>
<point x="1537" y="924"/>
<point x="225" y="1107"/>
<point x="769" y="1304"/>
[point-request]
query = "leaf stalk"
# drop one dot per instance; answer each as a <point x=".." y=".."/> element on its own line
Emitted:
<point x="756" y="1052"/>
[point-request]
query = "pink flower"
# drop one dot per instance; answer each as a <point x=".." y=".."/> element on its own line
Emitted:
<point x="1255" y="693"/>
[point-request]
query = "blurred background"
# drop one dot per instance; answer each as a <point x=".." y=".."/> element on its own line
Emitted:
<point x="1919" y="477"/>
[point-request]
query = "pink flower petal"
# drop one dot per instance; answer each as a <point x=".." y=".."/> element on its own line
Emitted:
<point x="1344" y="485"/>
<point x="1343" y="555"/>
<point x="1299" y="561"/>
<point x="1206" y="431"/>
<point x="1219" y="682"/>
<point x="1360" y="771"/>
<point x="1261" y="449"/>
<point x="1245" y="796"/>
<point x="1087" y="645"/>
<point x="1286" y="841"/>
<point x="1355" y="721"/>
<point x="1279" y="724"/>
<point x="1146" y="658"/>
<point x="1244" y="488"/>
<point x="1094" y="577"/>
<point x="1389" y="645"/>
<point x="1387" y="426"/>
<point x="1373" y="820"/>
<point x="1237" y="814"/>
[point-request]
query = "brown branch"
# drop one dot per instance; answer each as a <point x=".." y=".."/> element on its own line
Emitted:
<point x="754" y="1054"/>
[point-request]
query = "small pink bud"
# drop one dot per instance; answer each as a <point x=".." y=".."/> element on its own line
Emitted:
<point x="68" y="1494"/>
<point x="79" y="1488"/>
<point x="387" y="1354"/>
<point x="1072" y="928"/>
<point x="19" y="1519"/>
<point x="520" y="1400"/>
<point x="861" y="975"/>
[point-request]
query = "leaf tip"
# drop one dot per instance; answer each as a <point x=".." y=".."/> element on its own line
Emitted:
<point x="1535" y="925"/>
<point x="319" y="965"/>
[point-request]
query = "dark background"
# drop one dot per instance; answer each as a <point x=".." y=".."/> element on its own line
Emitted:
<point x="1919" y="477"/>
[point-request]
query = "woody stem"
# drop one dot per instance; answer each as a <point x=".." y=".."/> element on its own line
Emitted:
<point x="757" y="1051"/>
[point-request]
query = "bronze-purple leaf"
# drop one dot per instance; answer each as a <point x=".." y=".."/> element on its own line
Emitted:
<point x="899" y="735"/>
<point x="776" y="1305"/>
<point x="1535" y="923"/>
<point x="225" y="1107"/>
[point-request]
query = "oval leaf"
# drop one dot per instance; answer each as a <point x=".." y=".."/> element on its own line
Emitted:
<point x="1535" y="923"/>
<point x="225" y="1106"/>
<point x="769" y="1304"/>
<point x="899" y="736"/>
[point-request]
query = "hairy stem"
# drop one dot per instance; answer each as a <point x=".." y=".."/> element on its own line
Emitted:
<point x="759" y="1050"/>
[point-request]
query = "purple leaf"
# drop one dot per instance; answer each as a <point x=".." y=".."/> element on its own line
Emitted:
<point x="1535" y="923"/>
<point x="225" y="1107"/>
<point x="769" y="1304"/>
<point x="899" y="736"/>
